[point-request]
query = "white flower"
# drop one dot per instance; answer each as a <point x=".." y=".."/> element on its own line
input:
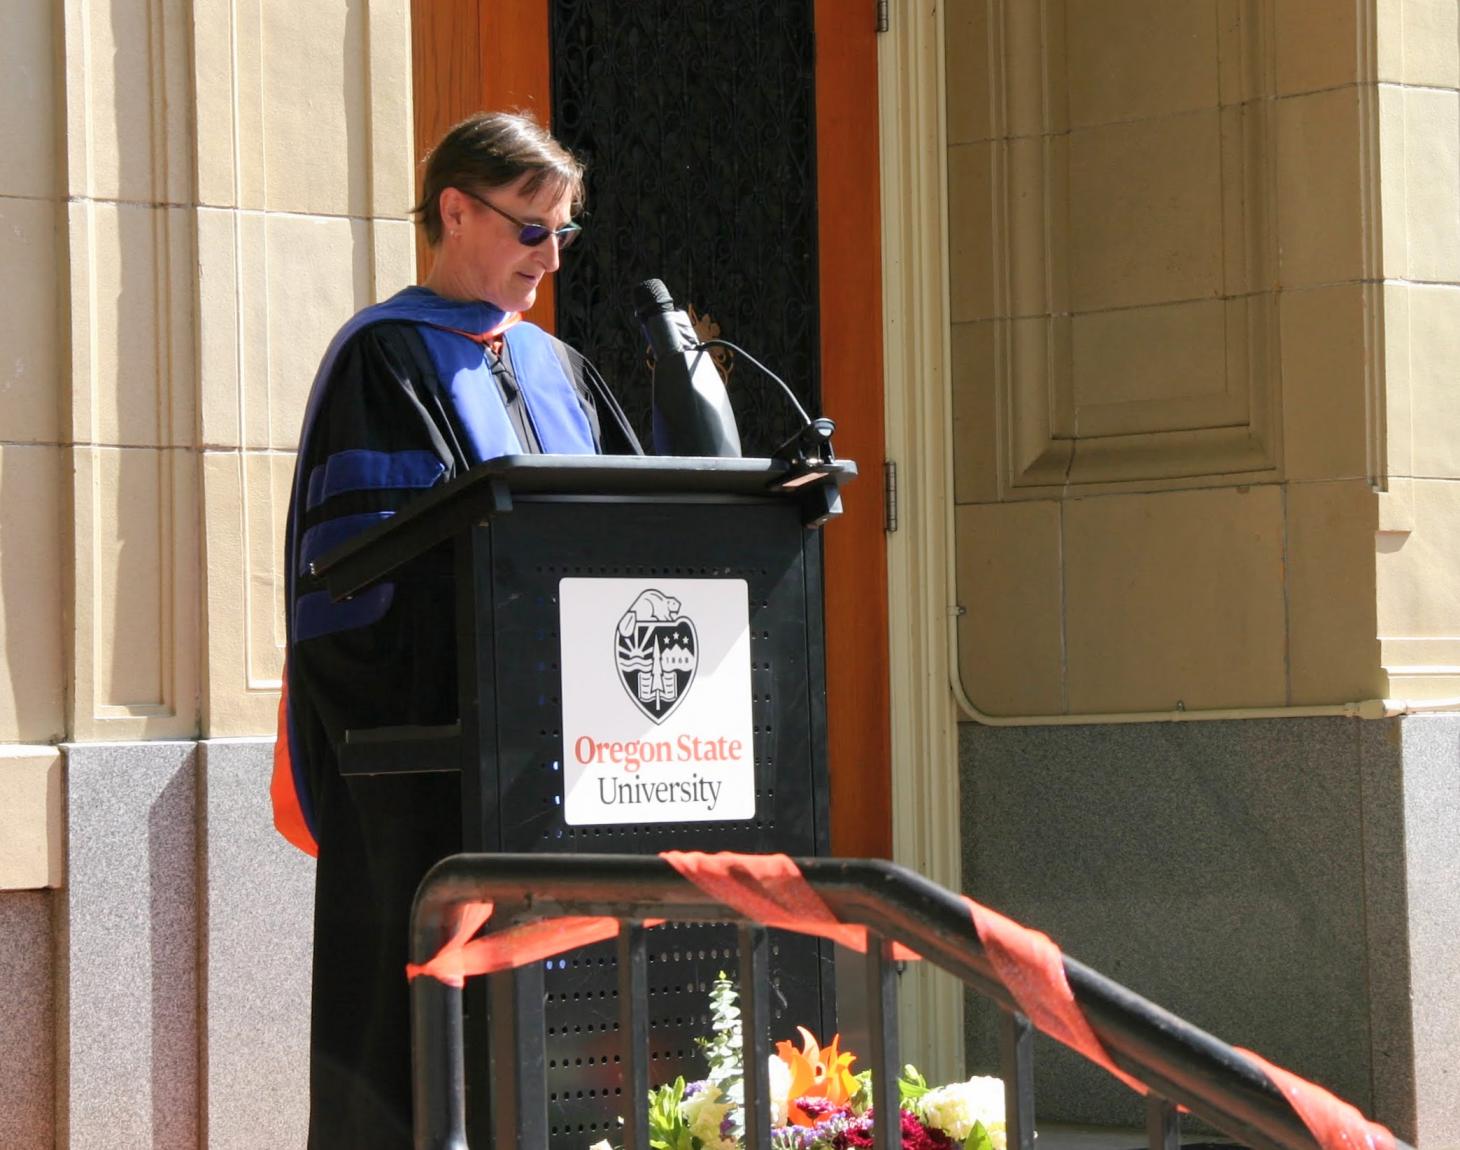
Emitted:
<point x="601" y="1144"/>
<point x="780" y="1087"/>
<point x="955" y="1108"/>
<point x="704" y="1113"/>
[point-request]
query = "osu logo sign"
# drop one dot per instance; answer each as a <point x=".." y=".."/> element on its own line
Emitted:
<point x="657" y="651"/>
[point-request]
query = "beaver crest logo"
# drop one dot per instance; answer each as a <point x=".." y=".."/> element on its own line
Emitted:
<point x="657" y="651"/>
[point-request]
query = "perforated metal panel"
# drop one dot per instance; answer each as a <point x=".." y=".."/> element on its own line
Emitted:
<point x="540" y="543"/>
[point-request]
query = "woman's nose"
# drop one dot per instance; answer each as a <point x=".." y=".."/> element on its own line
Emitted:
<point x="549" y="253"/>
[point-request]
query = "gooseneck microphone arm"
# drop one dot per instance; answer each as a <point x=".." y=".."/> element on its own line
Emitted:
<point x="738" y="350"/>
<point x="812" y="443"/>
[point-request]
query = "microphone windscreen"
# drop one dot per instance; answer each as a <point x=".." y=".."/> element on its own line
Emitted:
<point x="651" y="298"/>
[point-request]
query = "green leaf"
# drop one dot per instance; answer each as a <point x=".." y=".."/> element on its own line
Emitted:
<point x="667" y="1129"/>
<point x="911" y="1085"/>
<point x="978" y="1138"/>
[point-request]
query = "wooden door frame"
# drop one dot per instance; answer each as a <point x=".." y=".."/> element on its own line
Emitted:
<point x="855" y="547"/>
<point x="472" y="54"/>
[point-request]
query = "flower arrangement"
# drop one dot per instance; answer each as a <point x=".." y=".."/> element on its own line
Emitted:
<point x="817" y="1101"/>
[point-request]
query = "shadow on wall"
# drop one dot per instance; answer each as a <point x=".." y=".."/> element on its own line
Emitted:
<point x="129" y="495"/>
<point x="30" y="592"/>
<point x="172" y="926"/>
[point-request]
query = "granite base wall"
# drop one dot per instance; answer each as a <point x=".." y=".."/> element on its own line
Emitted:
<point x="1288" y="885"/>
<point x="182" y="944"/>
<point x="256" y="942"/>
<point x="27" y="1021"/>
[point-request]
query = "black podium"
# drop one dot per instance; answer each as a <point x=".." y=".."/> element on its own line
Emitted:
<point x="543" y="539"/>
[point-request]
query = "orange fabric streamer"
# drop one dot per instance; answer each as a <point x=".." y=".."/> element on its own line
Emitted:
<point x="464" y="956"/>
<point x="448" y="964"/>
<point x="1032" y="967"/>
<point x="771" y="889"/>
<point x="288" y="814"/>
<point x="1334" y="1123"/>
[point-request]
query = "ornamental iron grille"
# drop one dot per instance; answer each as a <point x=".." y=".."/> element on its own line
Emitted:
<point x="697" y="121"/>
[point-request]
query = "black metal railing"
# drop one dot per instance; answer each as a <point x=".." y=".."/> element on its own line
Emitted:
<point x="1183" y="1066"/>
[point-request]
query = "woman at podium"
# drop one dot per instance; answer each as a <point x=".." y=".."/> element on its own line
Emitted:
<point x="410" y="393"/>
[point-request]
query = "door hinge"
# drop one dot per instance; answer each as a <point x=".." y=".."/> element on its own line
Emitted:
<point x="889" y="496"/>
<point x="882" y="15"/>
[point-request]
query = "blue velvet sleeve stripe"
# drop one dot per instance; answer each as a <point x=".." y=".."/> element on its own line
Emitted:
<point x="361" y="470"/>
<point x="316" y="614"/>
<point x="323" y="537"/>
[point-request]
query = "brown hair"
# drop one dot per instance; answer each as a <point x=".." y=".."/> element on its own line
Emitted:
<point x="492" y="150"/>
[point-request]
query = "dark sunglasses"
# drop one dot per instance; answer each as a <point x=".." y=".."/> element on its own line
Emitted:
<point x="531" y="235"/>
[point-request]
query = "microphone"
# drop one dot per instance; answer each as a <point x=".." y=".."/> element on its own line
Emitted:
<point x="692" y="413"/>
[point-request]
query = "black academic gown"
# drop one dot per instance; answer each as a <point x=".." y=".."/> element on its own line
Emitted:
<point x="377" y="836"/>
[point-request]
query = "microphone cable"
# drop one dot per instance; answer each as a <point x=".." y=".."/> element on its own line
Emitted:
<point x="738" y="350"/>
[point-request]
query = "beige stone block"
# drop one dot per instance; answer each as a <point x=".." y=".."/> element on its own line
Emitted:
<point x="1421" y="684"/>
<point x="1325" y="383"/>
<point x="132" y="315"/>
<point x="975" y="413"/>
<point x="1320" y="221"/>
<point x="1244" y="51"/>
<point x="1145" y="210"/>
<point x="32" y="698"/>
<point x="219" y="346"/>
<point x="392" y="166"/>
<point x="128" y="120"/>
<point x="1009" y="640"/>
<point x="317" y="273"/>
<point x="246" y="497"/>
<point x="135" y="608"/>
<point x="1134" y="59"/>
<point x="1396" y="510"/>
<point x="1434" y="389"/>
<point x="214" y="95"/>
<point x="28" y="128"/>
<point x="1398" y="399"/>
<point x="30" y="331"/>
<point x="1417" y="42"/>
<point x="393" y="243"/>
<point x="32" y="842"/>
<point x="250" y="127"/>
<point x="1033" y="203"/>
<point x="1418" y="594"/>
<point x="966" y="48"/>
<point x="1249" y="203"/>
<point x="971" y="225"/>
<point x="1317" y="44"/>
<point x="1030" y="356"/>
<point x="1393" y="183"/>
<point x="1333" y="636"/>
<point x="1397" y="405"/>
<point x="1026" y="43"/>
<point x="1443" y="653"/>
<point x="1135" y="398"/>
<point x="1175" y="599"/>
<point x="275" y="289"/>
<point x="315" y="109"/>
<point x="1153" y="369"/>
<point x="1432" y="184"/>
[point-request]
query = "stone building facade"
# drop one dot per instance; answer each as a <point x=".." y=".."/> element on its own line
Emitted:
<point x="1170" y="296"/>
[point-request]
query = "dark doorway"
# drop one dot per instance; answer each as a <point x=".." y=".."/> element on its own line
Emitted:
<point x="698" y="122"/>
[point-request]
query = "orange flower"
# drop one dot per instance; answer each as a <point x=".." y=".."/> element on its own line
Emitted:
<point x="816" y="1072"/>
